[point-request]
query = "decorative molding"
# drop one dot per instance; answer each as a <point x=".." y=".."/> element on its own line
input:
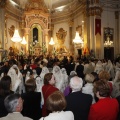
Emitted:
<point x="34" y="17"/>
<point x="36" y="5"/>
<point x="95" y="11"/>
<point x="71" y="22"/>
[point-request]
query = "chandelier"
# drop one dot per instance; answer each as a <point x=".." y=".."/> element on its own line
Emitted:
<point x="24" y="41"/>
<point x="78" y="39"/>
<point x="108" y="42"/>
<point x="51" y="41"/>
<point x="16" y="37"/>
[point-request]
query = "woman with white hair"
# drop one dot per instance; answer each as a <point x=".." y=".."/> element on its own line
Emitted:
<point x="88" y="88"/>
<point x="68" y="90"/>
<point x="78" y="102"/>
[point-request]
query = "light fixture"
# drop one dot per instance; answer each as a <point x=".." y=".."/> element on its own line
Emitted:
<point x="108" y="42"/>
<point x="78" y="39"/>
<point x="24" y="41"/>
<point x="16" y="37"/>
<point x="51" y="41"/>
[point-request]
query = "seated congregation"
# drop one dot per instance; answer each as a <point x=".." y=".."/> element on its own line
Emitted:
<point x="50" y="89"/>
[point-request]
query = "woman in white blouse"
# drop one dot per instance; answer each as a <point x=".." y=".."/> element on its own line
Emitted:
<point x="56" y="103"/>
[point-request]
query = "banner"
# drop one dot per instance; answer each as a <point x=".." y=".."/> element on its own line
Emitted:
<point x="97" y="26"/>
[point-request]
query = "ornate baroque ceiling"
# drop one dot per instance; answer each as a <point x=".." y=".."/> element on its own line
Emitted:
<point x="58" y="3"/>
<point x="63" y="5"/>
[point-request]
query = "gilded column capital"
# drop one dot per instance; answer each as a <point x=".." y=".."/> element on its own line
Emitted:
<point x="26" y="31"/>
<point x="96" y="10"/>
<point x="46" y="32"/>
<point x="71" y="22"/>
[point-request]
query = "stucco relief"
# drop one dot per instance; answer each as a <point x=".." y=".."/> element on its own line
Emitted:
<point x="36" y="4"/>
<point x="37" y="16"/>
<point x="61" y="36"/>
<point x="11" y="30"/>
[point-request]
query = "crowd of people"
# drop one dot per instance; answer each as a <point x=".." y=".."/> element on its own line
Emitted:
<point x="51" y="88"/>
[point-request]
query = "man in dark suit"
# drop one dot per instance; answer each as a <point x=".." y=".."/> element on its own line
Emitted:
<point x="80" y="70"/>
<point x="78" y="102"/>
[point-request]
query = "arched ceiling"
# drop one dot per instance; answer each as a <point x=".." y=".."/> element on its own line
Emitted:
<point x="61" y="5"/>
<point x="58" y="3"/>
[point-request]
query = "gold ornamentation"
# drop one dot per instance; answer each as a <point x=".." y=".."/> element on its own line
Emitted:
<point x="71" y="22"/>
<point x="36" y="5"/>
<point x="61" y="36"/>
<point x="37" y="16"/>
<point x="11" y="30"/>
<point x="95" y="11"/>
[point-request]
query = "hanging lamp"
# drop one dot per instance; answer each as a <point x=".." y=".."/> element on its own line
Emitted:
<point x="78" y="39"/>
<point x="24" y="42"/>
<point x="16" y="37"/>
<point x="51" y="41"/>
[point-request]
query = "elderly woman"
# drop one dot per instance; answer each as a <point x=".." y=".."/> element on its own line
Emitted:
<point x="88" y="88"/>
<point x="106" y="108"/>
<point x="56" y="103"/>
<point x="47" y="89"/>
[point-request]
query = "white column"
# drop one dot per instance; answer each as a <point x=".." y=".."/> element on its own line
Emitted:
<point x="46" y="41"/>
<point x="26" y="34"/>
<point x="92" y="33"/>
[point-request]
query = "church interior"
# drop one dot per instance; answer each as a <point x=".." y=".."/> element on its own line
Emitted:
<point x="59" y="59"/>
<point x="60" y="27"/>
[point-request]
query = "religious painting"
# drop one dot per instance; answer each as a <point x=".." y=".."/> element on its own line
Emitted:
<point x="108" y="33"/>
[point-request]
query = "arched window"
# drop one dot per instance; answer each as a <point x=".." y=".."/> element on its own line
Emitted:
<point x="35" y="35"/>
